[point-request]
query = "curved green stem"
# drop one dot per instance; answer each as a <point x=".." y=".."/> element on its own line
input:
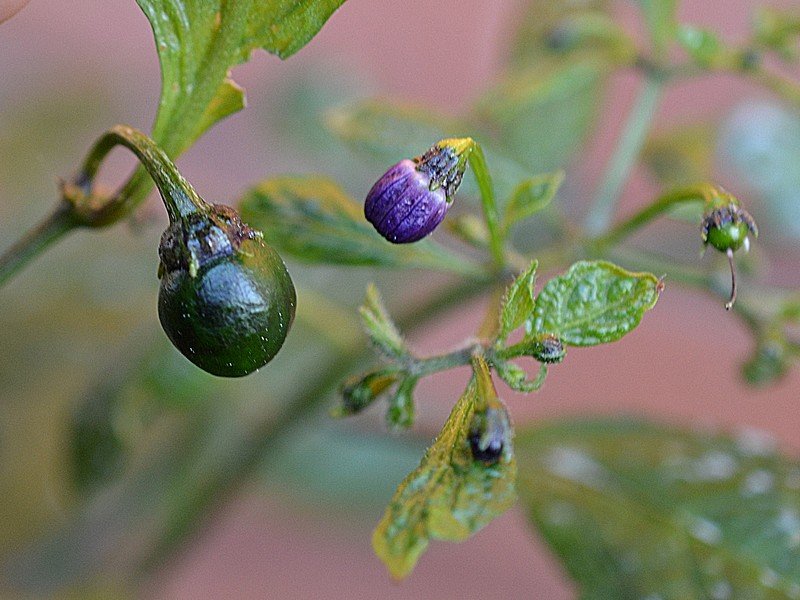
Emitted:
<point x="35" y="241"/>
<point x="179" y="197"/>
<point x="625" y="155"/>
<point x="477" y="161"/>
<point x="695" y="193"/>
<point x="80" y="207"/>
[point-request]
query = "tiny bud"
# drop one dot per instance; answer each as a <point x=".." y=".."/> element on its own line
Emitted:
<point x="410" y="200"/>
<point x="489" y="434"/>
<point x="726" y="226"/>
<point x="548" y="348"/>
<point x="362" y="390"/>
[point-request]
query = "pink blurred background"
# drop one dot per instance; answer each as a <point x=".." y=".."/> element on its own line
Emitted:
<point x="680" y="366"/>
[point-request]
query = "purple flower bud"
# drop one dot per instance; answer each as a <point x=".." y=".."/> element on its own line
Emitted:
<point x="412" y="197"/>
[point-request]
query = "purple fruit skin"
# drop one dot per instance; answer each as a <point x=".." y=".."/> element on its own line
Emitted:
<point x="401" y="206"/>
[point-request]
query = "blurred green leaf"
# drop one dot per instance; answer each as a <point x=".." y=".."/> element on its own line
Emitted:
<point x="542" y="113"/>
<point x="449" y="496"/>
<point x="702" y="45"/>
<point x="637" y="510"/>
<point x="660" y="16"/>
<point x="537" y="33"/>
<point x="199" y="41"/>
<point x="769" y="362"/>
<point x="314" y="220"/>
<point x="385" y="133"/>
<point x="332" y="468"/>
<point x="683" y="155"/>
<point x="595" y="302"/>
<point x="518" y="301"/>
<point x="778" y="30"/>
<point x="531" y="196"/>
<point x="380" y="327"/>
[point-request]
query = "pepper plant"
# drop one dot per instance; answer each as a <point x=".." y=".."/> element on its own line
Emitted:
<point x="485" y="187"/>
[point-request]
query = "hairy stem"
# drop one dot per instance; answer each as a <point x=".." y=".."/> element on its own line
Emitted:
<point x="625" y="155"/>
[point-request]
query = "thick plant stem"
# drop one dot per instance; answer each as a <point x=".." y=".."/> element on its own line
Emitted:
<point x="625" y="155"/>
<point x="35" y="241"/>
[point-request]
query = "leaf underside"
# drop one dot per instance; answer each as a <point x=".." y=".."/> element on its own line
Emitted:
<point x="637" y="510"/>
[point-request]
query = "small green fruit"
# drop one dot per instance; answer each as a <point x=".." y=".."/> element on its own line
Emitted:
<point x="727" y="227"/>
<point x="226" y="300"/>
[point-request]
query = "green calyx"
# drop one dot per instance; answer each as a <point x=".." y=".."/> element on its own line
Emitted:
<point x="226" y="300"/>
<point x="727" y="226"/>
<point x="445" y="163"/>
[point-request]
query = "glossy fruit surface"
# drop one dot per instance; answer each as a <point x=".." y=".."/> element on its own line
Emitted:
<point x="727" y="227"/>
<point x="401" y="206"/>
<point x="229" y="306"/>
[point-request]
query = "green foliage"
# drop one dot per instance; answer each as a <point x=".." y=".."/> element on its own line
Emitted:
<point x="660" y="16"/>
<point x="701" y="44"/>
<point x="198" y="42"/>
<point x="518" y="302"/>
<point x="379" y="325"/>
<point x="779" y="31"/>
<point x="556" y="98"/>
<point x="682" y="156"/>
<point x="595" y="302"/>
<point x="531" y="196"/>
<point x="382" y="133"/>
<point x="449" y="496"/>
<point x="637" y="510"/>
<point x="312" y="219"/>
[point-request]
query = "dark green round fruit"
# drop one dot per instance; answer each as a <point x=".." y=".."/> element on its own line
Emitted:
<point x="226" y="300"/>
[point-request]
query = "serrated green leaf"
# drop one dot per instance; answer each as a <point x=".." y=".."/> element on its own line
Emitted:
<point x="542" y="113"/>
<point x="379" y="325"/>
<point x="595" y="302"/>
<point x="531" y="196"/>
<point x="660" y="18"/>
<point x="638" y="510"/>
<point x="517" y="378"/>
<point x="449" y="496"/>
<point x="312" y="219"/>
<point x="518" y="302"/>
<point x="198" y="41"/>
